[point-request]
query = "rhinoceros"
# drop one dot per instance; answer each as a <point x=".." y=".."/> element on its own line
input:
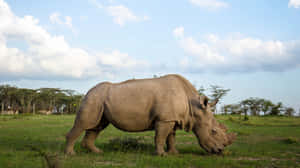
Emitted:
<point x="163" y="104"/>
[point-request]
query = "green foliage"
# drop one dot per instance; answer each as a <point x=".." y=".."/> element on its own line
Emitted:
<point x="257" y="106"/>
<point x="289" y="111"/>
<point x="218" y="92"/>
<point x="201" y="91"/>
<point x="246" y="118"/>
<point x="33" y="100"/>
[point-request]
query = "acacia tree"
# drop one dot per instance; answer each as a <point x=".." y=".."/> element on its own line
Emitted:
<point x="256" y="105"/>
<point x="30" y="100"/>
<point x="232" y="109"/>
<point x="289" y="111"/>
<point x="266" y="106"/>
<point x="9" y="98"/>
<point x="47" y="98"/>
<point x="71" y="99"/>
<point x="217" y="93"/>
<point x="26" y="98"/>
<point x="276" y="109"/>
<point x="201" y="91"/>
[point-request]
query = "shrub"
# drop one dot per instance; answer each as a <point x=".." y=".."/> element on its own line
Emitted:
<point x="246" y="118"/>
<point x="290" y="140"/>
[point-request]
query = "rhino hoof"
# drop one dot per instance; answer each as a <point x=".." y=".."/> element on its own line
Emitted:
<point x="162" y="154"/>
<point x="70" y="152"/>
<point x="173" y="152"/>
<point x="96" y="150"/>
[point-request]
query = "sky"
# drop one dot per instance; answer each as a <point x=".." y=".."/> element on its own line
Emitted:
<point x="251" y="47"/>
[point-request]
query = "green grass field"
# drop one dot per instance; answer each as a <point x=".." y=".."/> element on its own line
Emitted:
<point x="26" y="141"/>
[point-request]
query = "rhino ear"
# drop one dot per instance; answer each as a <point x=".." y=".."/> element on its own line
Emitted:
<point x="203" y="101"/>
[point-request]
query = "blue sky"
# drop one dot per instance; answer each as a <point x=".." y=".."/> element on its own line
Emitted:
<point x="251" y="47"/>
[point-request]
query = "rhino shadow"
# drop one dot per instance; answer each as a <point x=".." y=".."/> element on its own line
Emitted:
<point x="137" y="145"/>
<point x="127" y="144"/>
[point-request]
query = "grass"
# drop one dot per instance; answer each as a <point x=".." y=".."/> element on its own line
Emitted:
<point x="31" y="140"/>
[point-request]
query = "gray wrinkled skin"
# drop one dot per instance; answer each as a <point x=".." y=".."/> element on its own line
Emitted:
<point x="162" y="104"/>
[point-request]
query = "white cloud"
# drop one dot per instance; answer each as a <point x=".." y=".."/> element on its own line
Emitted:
<point x="47" y="55"/>
<point x="209" y="4"/>
<point x="237" y="53"/>
<point x="68" y="21"/>
<point x="116" y="59"/>
<point x="120" y="13"/>
<point x="56" y="18"/>
<point x="294" y="4"/>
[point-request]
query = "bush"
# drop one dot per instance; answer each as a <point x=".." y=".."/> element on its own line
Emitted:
<point x="290" y="140"/>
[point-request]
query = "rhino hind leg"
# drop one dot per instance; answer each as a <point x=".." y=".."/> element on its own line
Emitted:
<point x="162" y="130"/>
<point x="71" y="139"/>
<point x="91" y="135"/>
<point x="171" y="143"/>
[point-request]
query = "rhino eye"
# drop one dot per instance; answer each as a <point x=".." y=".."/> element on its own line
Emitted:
<point x="214" y="131"/>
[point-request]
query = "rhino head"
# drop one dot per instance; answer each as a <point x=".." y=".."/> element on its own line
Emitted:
<point x="212" y="135"/>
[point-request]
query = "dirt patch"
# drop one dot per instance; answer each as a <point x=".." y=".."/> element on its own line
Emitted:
<point x="263" y="158"/>
<point x="187" y="135"/>
<point x="187" y="142"/>
<point x="113" y="164"/>
<point x="108" y="163"/>
<point x="254" y="158"/>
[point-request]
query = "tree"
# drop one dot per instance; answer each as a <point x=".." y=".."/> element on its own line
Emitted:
<point x="266" y="106"/>
<point x="276" y="109"/>
<point x="232" y="109"/>
<point x="201" y="91"/>
<point x="289" y="111"/>
<point x="218" y="92"/>
<point x="72" y="100"/>
<point x="25" y="98"/>
<point x="155" y="76"/>
<point x="254" y="105"/>
<point x="47" y="98"/>
<point x="31" y="100"/>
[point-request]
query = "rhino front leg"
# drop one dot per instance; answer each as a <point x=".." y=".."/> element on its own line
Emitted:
<point x="171" y="143"/>
<point x="162" y="130"/>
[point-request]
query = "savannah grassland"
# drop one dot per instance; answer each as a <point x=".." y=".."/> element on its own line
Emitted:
<point x="29" y="140"/>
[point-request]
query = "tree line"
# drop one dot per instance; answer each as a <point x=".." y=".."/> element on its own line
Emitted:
<point x="249" y="106"/>
<point x="43" y="100"/>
